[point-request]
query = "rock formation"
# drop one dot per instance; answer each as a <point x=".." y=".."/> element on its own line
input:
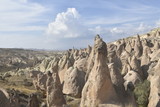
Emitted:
<point x="154" y="97"/>
<point x="55" y="96"/>
<point x="4" y="98"/>
<point x="132" y="77"/>
<point x="74" y="81"/>
<point x="98" y="88"/>
<point x="117" y="81"/>
<point x="103" y="75"/>
<point x="138" y="47"/>
<point x="135" y="66"/>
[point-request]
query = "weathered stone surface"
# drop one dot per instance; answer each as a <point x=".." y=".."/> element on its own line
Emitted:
<point x="55" y="96"/>
<point x="74" y="81"/>
<point x="117" y="81"/>
<point x="4" y="99"/>
<point x="98" y="88"/>
<point x="138" y="47"/>
<point x="132" y="77"/>
<point x="135" y="66"/>
<point x="154" y="97"/>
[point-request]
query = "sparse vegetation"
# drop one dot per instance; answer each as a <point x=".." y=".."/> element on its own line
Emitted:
<point x="141" y="92"/>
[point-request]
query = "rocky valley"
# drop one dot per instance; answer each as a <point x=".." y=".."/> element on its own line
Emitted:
<point x="123" y="73"/>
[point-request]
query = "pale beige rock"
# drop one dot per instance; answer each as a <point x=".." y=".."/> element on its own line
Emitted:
<point x="62" y="72"/>
<point x="89" y="49"/>
<point x="156" y="69"/>
<point x="155" y="56"/>
<point x="81" y="64"/>
<point x="128" y="47"/>
<point x="132" y="77"/>
<point x="65" y="62"/>
<point x="55" y="96"/>
<point x="43" y="66"/>
<point x="113" y="58"/>
<point x="74" y="81"/>
<point x="117" y="81"/>
<point x="90" y="62"/>
<point x="120" y="49"/>
<point x="124" y="56"/>
<point x="145" y="60"/>
<point x="53" y="64"/>
<point x="156" y="46"/>
<point x="157" y="33"/>
<point x="138" y="47"/>
<point x="154" y="97"/>
<point x="98" y="88"/>
<point x="135" y="66"/>
<point x="154" y="78"/>
<point x="126" y="68"/>
<point x="133" y="43"/>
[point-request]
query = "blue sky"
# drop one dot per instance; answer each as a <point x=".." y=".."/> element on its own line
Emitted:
<point x="63" y="24"/>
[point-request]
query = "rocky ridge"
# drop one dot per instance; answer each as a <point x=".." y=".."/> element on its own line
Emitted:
<point x="103" y="75"/>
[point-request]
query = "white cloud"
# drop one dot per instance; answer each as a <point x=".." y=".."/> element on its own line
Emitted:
<point x="66" y="25"/>
<point x="116" y="30"/>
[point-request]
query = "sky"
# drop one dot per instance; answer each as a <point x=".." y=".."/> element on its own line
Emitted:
<point x="64" y="24"/>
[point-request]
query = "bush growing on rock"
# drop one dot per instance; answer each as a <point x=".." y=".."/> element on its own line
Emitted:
<point x="141" y="93"/>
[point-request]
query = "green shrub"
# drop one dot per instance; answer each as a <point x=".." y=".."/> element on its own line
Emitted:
<point x="141" y="93"/>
